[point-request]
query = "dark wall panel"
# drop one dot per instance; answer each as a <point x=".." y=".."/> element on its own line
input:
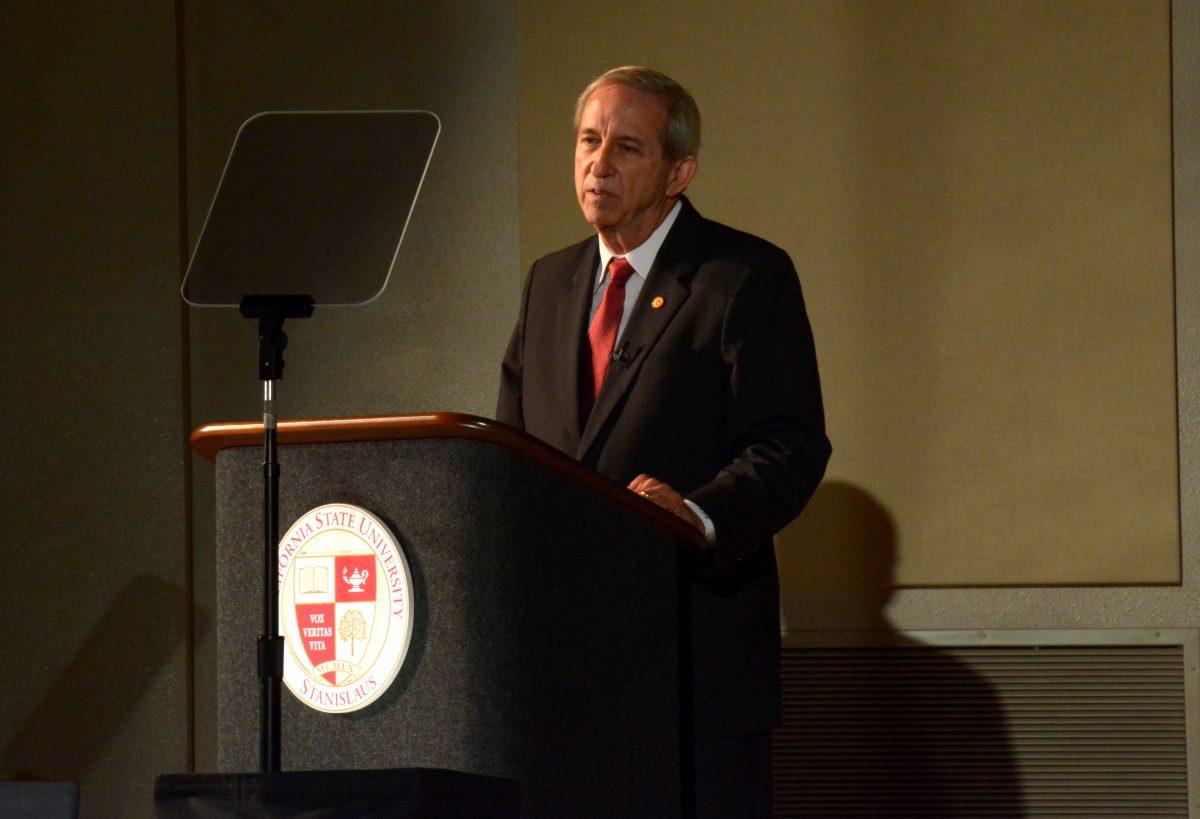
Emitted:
<point x="434" y="339"/>
<point x="94" y="660"/>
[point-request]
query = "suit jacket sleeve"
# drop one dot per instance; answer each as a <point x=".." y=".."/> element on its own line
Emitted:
<point x="508" y="406"/>
<point x="775" y="424"/>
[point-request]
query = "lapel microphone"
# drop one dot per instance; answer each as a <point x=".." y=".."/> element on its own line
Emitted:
<point x="619" y="356"/>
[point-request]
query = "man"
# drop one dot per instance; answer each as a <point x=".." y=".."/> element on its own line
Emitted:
<point x="673" y="354"/>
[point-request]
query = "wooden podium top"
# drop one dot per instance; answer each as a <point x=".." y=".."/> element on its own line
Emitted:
<point x="210" y="439"/>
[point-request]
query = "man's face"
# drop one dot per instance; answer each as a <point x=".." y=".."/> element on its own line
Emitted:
<point x="621" y="178"/>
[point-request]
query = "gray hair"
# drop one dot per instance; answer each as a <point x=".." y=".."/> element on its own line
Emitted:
<point x="682" y="137"/>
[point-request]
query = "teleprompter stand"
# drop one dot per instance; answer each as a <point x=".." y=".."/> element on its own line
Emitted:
<point x="311" y="203"/>
<point x="271" y="311"/>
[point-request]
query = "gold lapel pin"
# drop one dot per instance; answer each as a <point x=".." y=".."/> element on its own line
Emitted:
<point x="657" y="302"/>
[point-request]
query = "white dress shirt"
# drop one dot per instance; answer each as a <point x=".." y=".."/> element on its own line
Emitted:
<point x="641" y="258"/>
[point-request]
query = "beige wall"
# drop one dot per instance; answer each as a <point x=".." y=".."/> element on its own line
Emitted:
<point x="978" y="199"/>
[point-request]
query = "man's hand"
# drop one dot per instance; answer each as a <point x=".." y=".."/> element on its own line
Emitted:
<point x="663" y="495"/>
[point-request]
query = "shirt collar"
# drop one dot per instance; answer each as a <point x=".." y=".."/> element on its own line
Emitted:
<point x="641" y="257"/>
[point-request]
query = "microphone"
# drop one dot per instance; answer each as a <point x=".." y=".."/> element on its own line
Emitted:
<point x="619" y="356"/>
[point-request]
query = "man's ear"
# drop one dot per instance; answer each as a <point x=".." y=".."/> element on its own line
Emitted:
<point x="681" y="175"/>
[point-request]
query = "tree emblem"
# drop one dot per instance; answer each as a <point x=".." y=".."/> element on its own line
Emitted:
<point x="352" y="626"/>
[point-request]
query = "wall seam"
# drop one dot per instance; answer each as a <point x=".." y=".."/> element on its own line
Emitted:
<point x="185" y="385"/>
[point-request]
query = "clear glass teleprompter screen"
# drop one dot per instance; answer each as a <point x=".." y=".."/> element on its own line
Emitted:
<point x="312" y="203"/>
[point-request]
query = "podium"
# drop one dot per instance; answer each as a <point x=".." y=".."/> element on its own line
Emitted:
<point x="550" y="641"/>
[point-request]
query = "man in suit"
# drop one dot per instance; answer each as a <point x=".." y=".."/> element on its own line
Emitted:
<point x="674" y="355"/>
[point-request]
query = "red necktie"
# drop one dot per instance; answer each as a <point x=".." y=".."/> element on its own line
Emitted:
<point x="602" y="334"/>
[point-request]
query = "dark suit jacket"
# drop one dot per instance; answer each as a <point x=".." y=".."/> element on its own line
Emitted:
<point x="718" y="396"/>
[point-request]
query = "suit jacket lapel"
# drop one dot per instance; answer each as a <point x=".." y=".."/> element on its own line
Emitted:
<point x="570" y="332"/>
<point x="674" y="265"/>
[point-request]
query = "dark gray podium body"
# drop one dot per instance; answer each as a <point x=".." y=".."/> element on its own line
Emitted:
<point x="546" y="638"/>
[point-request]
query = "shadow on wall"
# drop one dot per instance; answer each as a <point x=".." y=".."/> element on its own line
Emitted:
<point x="875" y="723"/>
<point x="115" y="664"/>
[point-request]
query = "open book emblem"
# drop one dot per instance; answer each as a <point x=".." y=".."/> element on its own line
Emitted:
<point x="313" y="580"/>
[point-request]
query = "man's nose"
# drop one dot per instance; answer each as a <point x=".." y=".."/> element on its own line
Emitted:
<point x="602" y="160"/>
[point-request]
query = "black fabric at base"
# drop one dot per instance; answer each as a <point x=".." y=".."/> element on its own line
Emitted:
<point x="404" y="792"/>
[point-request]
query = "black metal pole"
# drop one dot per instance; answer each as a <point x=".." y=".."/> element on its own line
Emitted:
<point x="270" y="644"/>
<point x="271" y="311"/>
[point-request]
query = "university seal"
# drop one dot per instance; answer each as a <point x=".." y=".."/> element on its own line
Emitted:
<point x="345" y="607"/>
